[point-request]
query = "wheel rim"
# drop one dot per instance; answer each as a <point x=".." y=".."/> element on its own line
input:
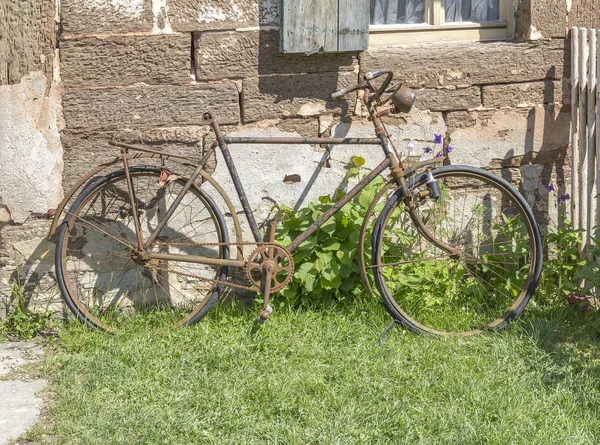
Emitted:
<point x="489" y="283"/>
<point x="106" y="285"/>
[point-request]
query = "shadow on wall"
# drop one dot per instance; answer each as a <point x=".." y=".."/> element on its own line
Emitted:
<point x="296" y="84"/>
<point x="543" y="166"/>
<point x="34" y="278"/>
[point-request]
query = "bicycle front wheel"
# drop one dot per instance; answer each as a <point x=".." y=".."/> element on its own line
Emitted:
<point x="101" y="279"/>
<point x="473" y="263"/>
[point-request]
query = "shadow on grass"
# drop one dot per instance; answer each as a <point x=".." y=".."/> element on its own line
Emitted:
<point x="570" y="337"/>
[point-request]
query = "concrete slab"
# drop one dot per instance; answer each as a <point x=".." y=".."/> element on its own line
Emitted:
<point x="16" y="354"/>
<point x="19" y="407"/>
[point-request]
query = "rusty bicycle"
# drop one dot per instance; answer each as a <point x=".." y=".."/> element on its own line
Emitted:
<point x="454" y="249"/>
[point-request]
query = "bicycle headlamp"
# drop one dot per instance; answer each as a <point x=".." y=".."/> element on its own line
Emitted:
<point x="404" y="99"/>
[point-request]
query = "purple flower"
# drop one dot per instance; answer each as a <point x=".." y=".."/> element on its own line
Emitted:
<point x="550" y="187"/>
<point x="437" y="138"/>
<point x="411" y="148"/>
<point x="439" y="155"/>
<point x="448" y="149"/>
<point x="427" y="150"/>
<point x="564" y="198"/>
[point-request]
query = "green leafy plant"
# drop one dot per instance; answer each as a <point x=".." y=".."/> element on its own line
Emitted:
<point x="20" y="322"/>
<point x="561" y="263"/>
<point x="326" y="265"/>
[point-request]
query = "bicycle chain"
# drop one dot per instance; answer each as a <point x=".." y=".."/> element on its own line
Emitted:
<point x="211" y="280"/>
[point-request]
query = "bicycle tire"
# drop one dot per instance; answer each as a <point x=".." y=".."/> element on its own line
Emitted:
<point x="490" y="277"/>
<point x="99" y="280"/>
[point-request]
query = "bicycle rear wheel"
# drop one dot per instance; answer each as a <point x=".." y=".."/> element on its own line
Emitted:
<point x="480" y="285"/>
<point x="105" y="286"/>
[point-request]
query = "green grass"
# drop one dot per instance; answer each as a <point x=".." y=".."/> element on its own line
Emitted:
<point x="320" y="377"/>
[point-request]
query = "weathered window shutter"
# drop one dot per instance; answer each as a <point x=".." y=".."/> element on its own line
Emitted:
<point x="309" y="26"/>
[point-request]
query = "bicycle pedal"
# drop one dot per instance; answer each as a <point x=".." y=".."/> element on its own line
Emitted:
<point x="265" y="314"/>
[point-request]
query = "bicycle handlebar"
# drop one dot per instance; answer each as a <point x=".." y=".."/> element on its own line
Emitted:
<point x="368" y="76"/>
<point x="345" y="91"/>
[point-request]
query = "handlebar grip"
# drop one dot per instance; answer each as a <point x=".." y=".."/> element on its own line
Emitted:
<point x="340" y="93"/>
<point x="373" y="74"/>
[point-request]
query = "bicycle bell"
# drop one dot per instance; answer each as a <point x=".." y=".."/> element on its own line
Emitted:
<point x="404" y="99"/>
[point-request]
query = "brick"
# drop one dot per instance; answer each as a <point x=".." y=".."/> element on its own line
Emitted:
<point x="474" y="63"/>
<point x="295" y="95"/>
<point x="443" y="99"/>
<point x="221" y="55"/>
<point x="106" y="16"/>
<point x="150" y="106"/>
<point x="113" y="61"/>
<point x="202" y="15"/>
<point x="523" y="94"/>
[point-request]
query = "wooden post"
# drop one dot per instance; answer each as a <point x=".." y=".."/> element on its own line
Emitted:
<point x="574" y="127"/>
<point x="591" y="141"/>
<point x="583" y="154"/>
<point x="597" y="124"/>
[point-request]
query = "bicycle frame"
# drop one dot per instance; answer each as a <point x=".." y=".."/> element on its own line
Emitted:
<point x="390" y="161"/>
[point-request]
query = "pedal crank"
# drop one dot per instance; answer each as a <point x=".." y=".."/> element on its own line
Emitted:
<point x="268" y="267"/>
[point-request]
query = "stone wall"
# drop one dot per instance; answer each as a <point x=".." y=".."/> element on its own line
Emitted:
<point x="135" y="74"/>
<point x="585" y="13"/>
<point x="30" y="148"/>
<point x="146" y="70"/>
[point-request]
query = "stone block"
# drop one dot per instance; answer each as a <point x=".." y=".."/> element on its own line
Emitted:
<point x="417" y="126"/>
<point x="549" y="19"/>
<point x="27" y="257"/>
<point x="106" y="16"/>
<point x="30" y="149"/>
<point x="86" y="150"/>
<point x="459" y="119"/>
<point x="265" y="170"/>
<point x="27" y="38"/>
<point x="125" y="60"/>
<point x="504" y="134"/>
<point x="295" y="95"/>
<point x="469" y="63"/>
<point x="584" y="13"/>
<point x="448" y="99"/>
<point x="202" y="15"/>
<point x="524" y="94"/>
<point x="241" y="54"/>
<point x="523" y="20"/>
<point x="150" y="106"/>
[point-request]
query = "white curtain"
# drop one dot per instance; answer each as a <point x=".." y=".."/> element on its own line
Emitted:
<point x="472" y="10"/>
<point x="392" y="12"/>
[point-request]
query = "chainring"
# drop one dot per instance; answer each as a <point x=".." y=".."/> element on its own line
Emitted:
<point x="279" y="258"/>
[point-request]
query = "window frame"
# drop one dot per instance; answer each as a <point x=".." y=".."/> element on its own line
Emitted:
<point x="436" y="29"/>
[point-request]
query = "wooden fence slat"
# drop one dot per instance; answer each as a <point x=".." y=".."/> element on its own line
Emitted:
<point x="575" y="127"/>
<point x="591" y="139"/>
<point x="583" y="155"/>
<point x="597" y="124"/>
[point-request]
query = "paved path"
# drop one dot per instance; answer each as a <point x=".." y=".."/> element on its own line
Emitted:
<point x="19" y="405"/>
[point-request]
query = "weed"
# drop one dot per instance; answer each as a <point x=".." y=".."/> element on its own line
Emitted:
<point x="20" y="322"/>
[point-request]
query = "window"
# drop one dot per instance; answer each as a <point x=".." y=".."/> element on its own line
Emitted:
<point x="404" y="21"/>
